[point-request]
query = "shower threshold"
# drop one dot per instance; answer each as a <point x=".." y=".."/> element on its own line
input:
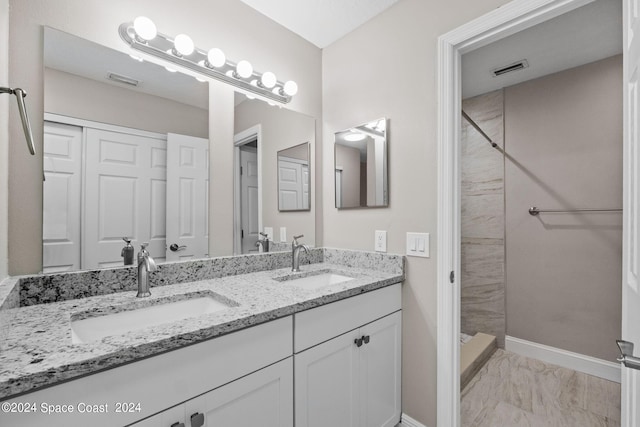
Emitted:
<point x="474" y="352"/>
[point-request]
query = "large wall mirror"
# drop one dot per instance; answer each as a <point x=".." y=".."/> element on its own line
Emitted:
<point x="126" y="154"/>
<point x="360" y="163"/>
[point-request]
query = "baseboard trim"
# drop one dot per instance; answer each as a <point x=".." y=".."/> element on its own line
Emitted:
<point x="567" y="359"/>
<point x="407" y="421"/>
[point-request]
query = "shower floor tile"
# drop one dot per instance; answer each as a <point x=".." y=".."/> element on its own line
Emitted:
<point x="513" y="390"/>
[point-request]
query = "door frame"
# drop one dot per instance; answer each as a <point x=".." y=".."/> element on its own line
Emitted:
<point x="240" y="139"/>
<point x="509" y="19"/>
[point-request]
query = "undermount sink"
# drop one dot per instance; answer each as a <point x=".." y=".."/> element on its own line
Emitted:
<point x="98" y="327"/>
<point x="315" y="279"/>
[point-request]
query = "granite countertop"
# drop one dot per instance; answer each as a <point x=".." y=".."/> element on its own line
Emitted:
<point x="38" y="350"/>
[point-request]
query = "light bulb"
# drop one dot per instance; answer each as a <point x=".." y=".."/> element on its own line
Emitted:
<point x="268" y="80"/>
<point x="171" y="70"/>
<point x="145" y="28"/>
<point x="136" y="57"/>
<point x="201" y="79"/>
<point x="290" y="88"/>
<point x="355" y="136"/>
<point x="216" y="57"/>
<point x="244" y="69"/>
<point x="183" y="44"/>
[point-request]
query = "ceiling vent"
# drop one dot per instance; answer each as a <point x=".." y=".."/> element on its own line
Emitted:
<point x="123" y="79"/>
<point x="519" y="65"/>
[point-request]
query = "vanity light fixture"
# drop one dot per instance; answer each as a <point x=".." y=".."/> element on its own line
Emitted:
<point x="142" y="35"/>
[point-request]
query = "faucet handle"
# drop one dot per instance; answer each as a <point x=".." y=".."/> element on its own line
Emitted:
<point x="143" y="246"/>
<point x="295" y="238"/>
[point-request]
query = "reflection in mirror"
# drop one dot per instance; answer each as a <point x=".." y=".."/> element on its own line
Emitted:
<point x="293" y="178"/>
<point x="125" y="155"/>
<point x="270" y="130"/>
<point x="361" y="176"/>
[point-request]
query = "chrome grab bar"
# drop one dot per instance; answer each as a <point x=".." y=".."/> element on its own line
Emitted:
<point x="26" y="126"/>
<point x="533" y="211"/>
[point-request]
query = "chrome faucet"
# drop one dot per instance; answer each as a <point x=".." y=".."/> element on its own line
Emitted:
<point x="295" y="253"/>
<point x="146" y="264"/>
<point x="264" y="242"/>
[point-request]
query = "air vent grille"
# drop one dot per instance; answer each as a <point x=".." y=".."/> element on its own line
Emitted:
<point x="519" y="65"/>
<point x="123" y="79"/>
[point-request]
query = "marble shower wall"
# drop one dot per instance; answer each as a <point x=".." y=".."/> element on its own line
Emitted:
<point x="483" y="254"/>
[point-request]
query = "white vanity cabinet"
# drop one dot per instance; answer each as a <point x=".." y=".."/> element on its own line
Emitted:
<point x="135" y="391"/>
<point x="263" y="398"/>
<point x="347" y="362"/>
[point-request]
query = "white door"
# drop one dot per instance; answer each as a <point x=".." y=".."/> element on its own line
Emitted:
<point x="291" y="185"/>
<point x="305" y="186"/>
<point x="249" y="199"/>
<point x="61" y="197"/>
<point x="326" y="384"/>
<point x="125" y="195"/>
<point x="631" y="198"/>
<point x="380" y="372"/>
<point x="187" y="202"/>
<point x="264" y="399"/>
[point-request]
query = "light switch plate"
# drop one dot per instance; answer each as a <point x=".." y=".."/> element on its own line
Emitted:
<point x="381" y="241"/>
<point x="283" y="234"/>
<point x="418" y="244"/>
<point x="269" y="232"/>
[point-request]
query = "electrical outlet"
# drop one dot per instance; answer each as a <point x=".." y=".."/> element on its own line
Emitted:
<point x="269" y="232"/>
<point x="381" y="241"/>
<point x="283" y="234"/>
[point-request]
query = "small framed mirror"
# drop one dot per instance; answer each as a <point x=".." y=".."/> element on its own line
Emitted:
<point x="360" y="160"/>
<point x="293" y="178"/>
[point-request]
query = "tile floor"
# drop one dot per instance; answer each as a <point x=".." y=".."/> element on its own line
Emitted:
<point x="514" y="391"/>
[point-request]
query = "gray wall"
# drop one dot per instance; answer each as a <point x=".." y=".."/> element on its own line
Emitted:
<point x="75" y="96"/>
<point x="280" y="129"/>
<point x="348" y="158"/>
<point x="563" y="138"/>
<point x="400" y="84"/>
<point x="228" y="24"/>
<point x="482" y="294"/>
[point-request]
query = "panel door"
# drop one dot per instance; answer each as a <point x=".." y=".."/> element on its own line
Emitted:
<point x="187" y="203"/>
<point x="172" y="417"/>
<point x="263" y="398"/>
<point x="249" y="199"/>
<point x="290" y="186"/>
<point x="326" y="384"/>
<point x="61" y="204"/>
<point x="125" y="195"/>
<point x="305" y="186"/>
<point x="631" y="213"/>
<point x="380" y="380"/>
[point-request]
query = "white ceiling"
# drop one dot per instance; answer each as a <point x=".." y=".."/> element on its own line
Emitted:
<point x="584" y="35"/>
<point x="321" y="22"/>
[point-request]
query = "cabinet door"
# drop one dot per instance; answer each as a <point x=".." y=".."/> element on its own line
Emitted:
<point x="264" y="398"/>
<point x="326" y="382"/>
<point x="172" y="417"/>
<point x="380" y="361"/>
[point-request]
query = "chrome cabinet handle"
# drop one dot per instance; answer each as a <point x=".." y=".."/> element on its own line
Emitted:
<point x="197" y="420"/>
<point x="177" y="424"/>
<point x="358" y="342"/>
<point x="366" y="339"/>
<point x="175" y="248"/>
<point x="626" y="355"/>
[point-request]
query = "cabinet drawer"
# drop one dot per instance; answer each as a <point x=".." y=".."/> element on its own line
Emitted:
<point x="323" y="323"/>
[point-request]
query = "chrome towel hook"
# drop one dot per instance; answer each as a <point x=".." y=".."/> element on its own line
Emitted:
<point x="26" y="126"/>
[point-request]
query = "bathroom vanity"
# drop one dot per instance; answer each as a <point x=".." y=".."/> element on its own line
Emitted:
<point x="327" y="338"/>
